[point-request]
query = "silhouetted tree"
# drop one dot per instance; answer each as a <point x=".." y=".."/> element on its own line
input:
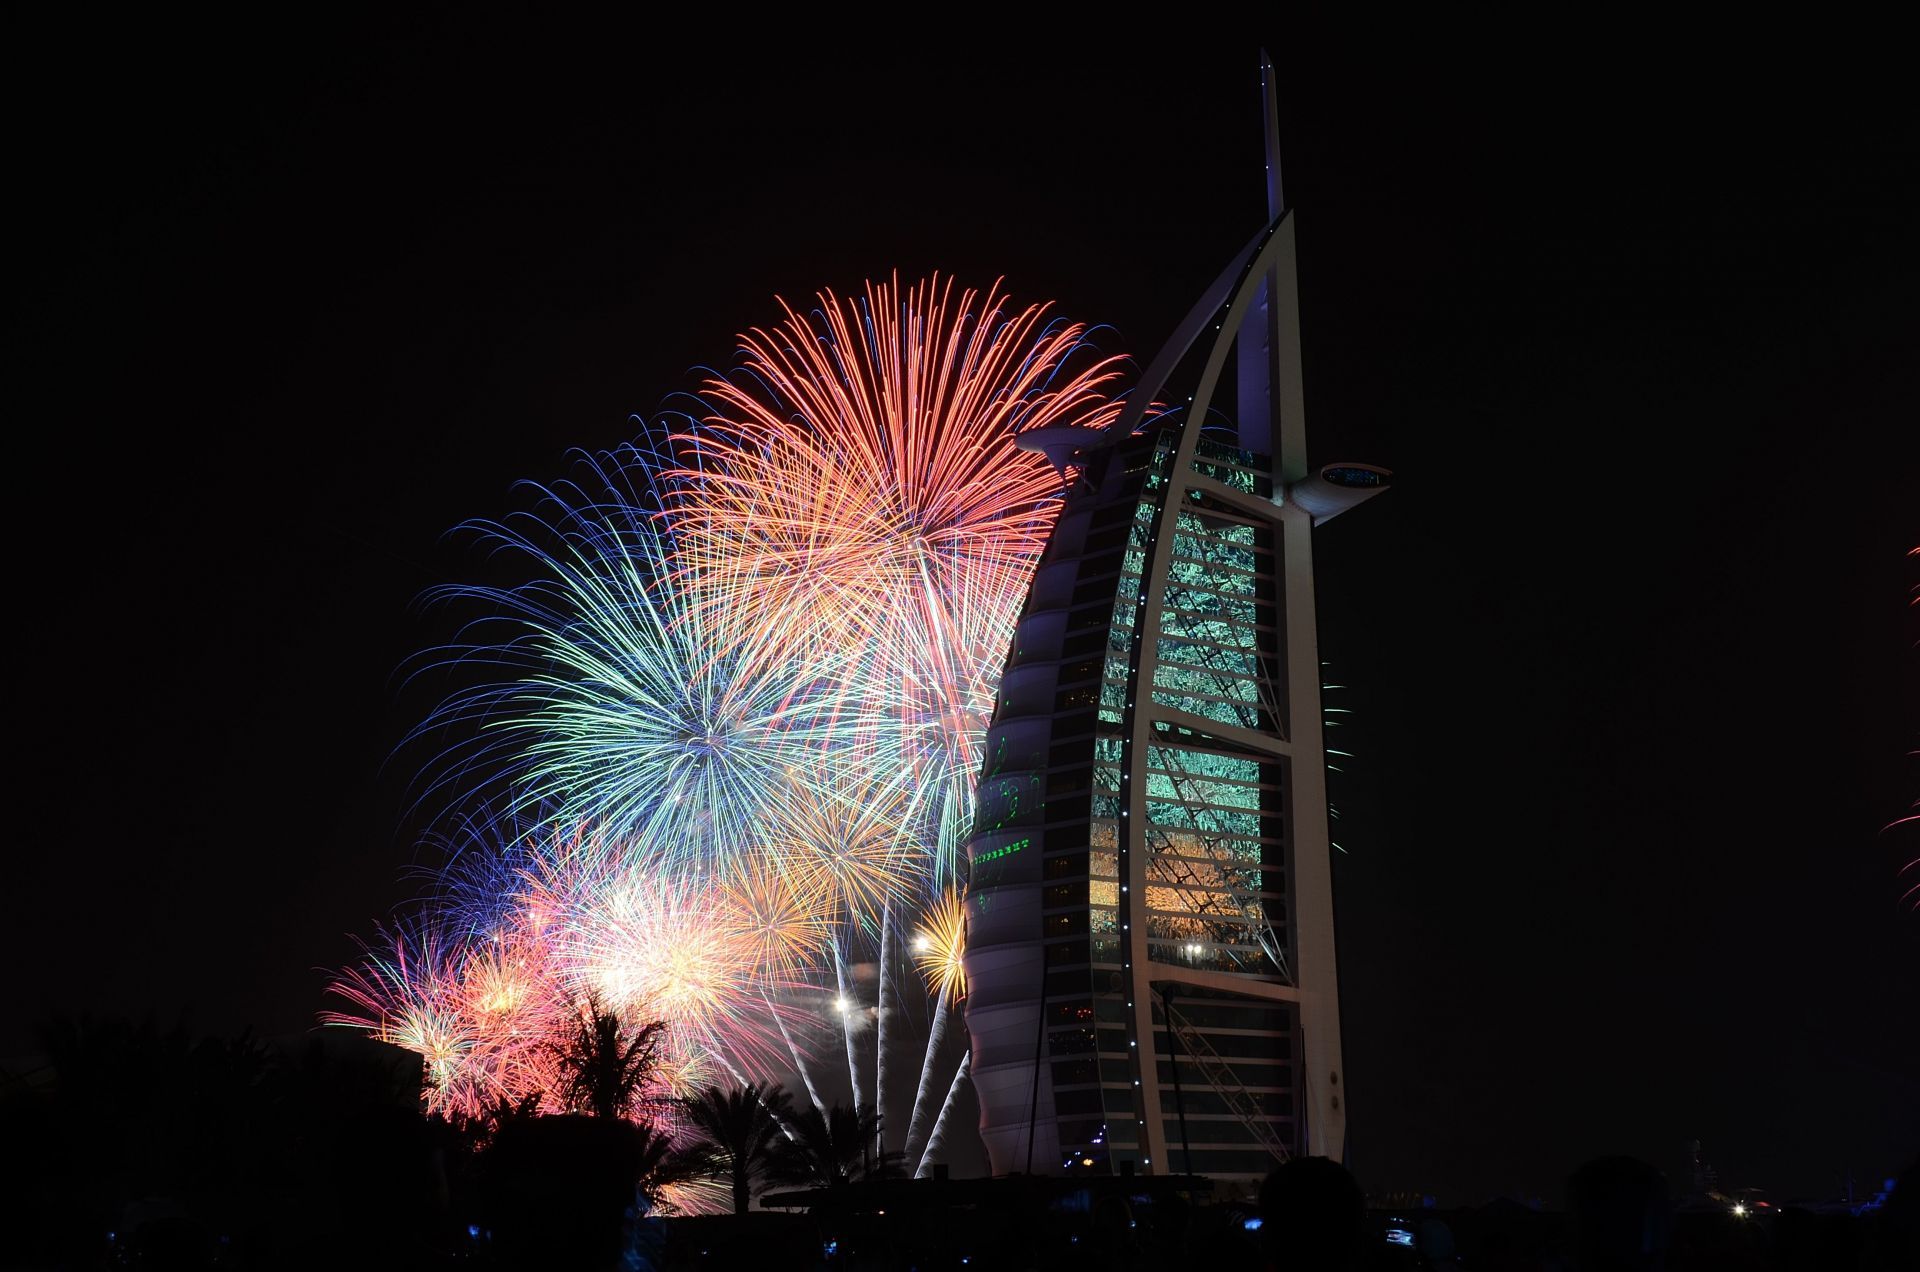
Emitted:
<point x="739" y="1131"/>
<point x="368" y="1167"/>
<point x="833" y="1149"/>
<point x="480" y="1129"/>
<point x="560" y="1192"/>
<point x="304" y="1154"/>
<point x="605" y="1066"/>
<point x="659" y="1164"/>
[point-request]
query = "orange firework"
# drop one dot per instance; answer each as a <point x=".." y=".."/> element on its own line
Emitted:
<point x="865" y="462"/>
<point x="845" y="842"/>
<point x="940" y="946"/>
<point x="856" y="490"/>
<point x="783" y="917"/>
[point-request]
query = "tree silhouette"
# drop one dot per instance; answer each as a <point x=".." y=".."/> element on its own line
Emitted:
<point x="834" y="1149"/>
<point x="605" y="1067"/>
<point x="561" y="1192"/>
<point x="479" y="1129"/>
<point x="740" y="1130"/>
<point x="302" y="1154"/>
<point x="662" y="1165"/>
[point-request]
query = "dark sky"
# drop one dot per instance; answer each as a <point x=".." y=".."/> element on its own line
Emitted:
<point x="1636" y="331"/>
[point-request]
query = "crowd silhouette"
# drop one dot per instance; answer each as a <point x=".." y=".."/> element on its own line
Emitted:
<point x="132" y="1146"/>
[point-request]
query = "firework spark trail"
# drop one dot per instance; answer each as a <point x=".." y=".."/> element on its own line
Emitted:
<point x="880" y="1025"/>
<point x="940" y="950"/>
<point x="937" y="1142"/>
<point x="719" y="1053"/>
<point x="799" y="1061"/>
<point x="916" y="1125"/>
<point x="845" y="1005"/>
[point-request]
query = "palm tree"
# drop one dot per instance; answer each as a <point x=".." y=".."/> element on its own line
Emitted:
<point x="605" y="1067"/>
<point x="740" y="1131"/>
<point x="478" y="1129"/>
<point x="833" y="1149"/>
<point x="660" y="1164"/>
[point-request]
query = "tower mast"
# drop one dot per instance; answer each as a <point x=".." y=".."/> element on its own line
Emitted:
<point x="1151" y="938"/>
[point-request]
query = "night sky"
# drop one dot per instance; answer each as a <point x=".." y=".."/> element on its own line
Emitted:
<point x="1625" y="645"/>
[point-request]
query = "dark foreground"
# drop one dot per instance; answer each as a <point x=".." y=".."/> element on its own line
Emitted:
<point x="937" y="1226"/>
<point x="218" y="1155"/>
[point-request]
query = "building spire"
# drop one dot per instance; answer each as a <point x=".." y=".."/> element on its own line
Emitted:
<point x="1254" y="409"/>
<point x="1270" y="103"/>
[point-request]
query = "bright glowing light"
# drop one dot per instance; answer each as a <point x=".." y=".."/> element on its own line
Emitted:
<point x="940" y="948"/>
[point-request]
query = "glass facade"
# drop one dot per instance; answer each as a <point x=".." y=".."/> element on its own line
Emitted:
<point x="1212" y="892"/>
<point x="1150" y="947"/>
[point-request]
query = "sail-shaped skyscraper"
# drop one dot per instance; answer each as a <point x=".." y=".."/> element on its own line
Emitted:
<point x="1150" y="922"/>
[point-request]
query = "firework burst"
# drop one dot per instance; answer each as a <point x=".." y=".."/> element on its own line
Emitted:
<point x="860" y="469"/>
<point x="637" y="701"/>
<point x="848" y="843"/>
<point x="407" y="991"/>
<point x="940" y="947"/>
<point x="782" y="918"/>
<point x="858" y="477"/>
<point x="728" y="725"/>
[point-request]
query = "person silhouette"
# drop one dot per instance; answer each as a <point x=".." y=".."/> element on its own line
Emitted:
<point x="1313" y="1217"/>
